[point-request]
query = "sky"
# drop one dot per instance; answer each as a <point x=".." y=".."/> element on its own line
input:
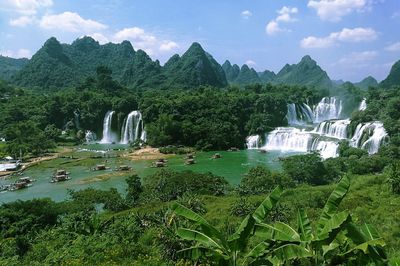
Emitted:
<point x="350" y="39"/>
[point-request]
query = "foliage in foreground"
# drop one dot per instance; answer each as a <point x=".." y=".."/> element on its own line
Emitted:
<point x="335" y="240"/>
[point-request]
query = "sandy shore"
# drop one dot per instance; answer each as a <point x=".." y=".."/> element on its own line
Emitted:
<point x="34" y="161"/>
<point x="147" y="153"/>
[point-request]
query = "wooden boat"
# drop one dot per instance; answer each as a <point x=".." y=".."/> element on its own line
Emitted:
<point x="60" y="176"/>
<point x="262" y="151"/>
<point x="124" y="168"/>
<point x="100" y="167"/>
<point x="190" y="161"/>
<point x="159" y="164"/>
<point x="233" y="149"/>
<point x="217" y="156"/>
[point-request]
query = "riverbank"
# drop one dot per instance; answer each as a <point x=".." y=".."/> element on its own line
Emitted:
<point x="147" y="153"/>
<point x="35" y="161"/>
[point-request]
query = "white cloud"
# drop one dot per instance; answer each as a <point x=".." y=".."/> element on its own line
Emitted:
<point x="284" y="16"/>
<point x="272" y="27"/>
<point x="393" y="47"/>
<point x="26" y="7"/>
<point x="148" y="42"/>
<point x="246" y="14"/>
<point x="70" y="22"/>
<point x="101" y="38"/>
<point x="250" y="63"/>
<point x="334" y="10"/>
<point x="359" y="59"/>
<point x="22" y="21"/>
<point x="20" y="53"/>
<point x="345" y="35"/>
<point x="168" y="46"/>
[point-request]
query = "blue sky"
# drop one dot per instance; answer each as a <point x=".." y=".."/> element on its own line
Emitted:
<point x="350" y="39"/>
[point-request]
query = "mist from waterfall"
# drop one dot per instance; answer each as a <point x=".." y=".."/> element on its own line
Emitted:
<point x="108" y="136"/>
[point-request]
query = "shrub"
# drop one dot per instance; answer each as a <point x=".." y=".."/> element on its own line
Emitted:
<point x="260" y="180"/>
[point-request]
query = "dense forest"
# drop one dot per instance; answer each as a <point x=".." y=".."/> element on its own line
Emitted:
<point x="338" y="211"/>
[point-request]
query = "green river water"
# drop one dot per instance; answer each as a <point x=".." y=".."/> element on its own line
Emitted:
<point x="232" y="166"/>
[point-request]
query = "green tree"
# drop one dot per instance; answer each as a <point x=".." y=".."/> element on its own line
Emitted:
<point x="134" y="189"/>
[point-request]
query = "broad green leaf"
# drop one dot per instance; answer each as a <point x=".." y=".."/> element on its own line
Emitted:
<point x="289" y="252"/>
<point x="328" y="248"/>
<point x="239" y="239"/>
<point x="193" y="235"/>
<point x="334" y="200"/>
<point x="266" y="206"/>
<point x="365" y="233"/>
<point x="278" y="231"/>
<point x="259" y="250"/>
<point x="364" y="247"/>
<point x="329" y="228"/>
<point x="207" y="228"/>
<point x="304" y="225"/>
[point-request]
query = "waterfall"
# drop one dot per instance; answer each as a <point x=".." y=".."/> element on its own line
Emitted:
<point x="288" y="139"/>
<point x="300" y="140"/>
<point x="327" y="149"/>
<point x="334" y="128"/>
<point x="252" y="142"/>
<point x="325" y="137"/>
<point x="107" y="133"/>
<point x="363" y="105"/>
<point x="373" y="132"/>
<point x="328" y="108"/>
<point x="299" y="114"/>
<point x="90" y="136"/>
<point x="76" y="119"/>
<point x="373" y="143"/>
<point x="132" y="128"/>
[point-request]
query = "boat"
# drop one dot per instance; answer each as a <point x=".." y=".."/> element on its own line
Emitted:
<point x="190" y="161"/>
<point x="217" y="156"/>
<point x="60" y="176"/>
<point x="100" y="167"/>
<point x="124" y="168"/>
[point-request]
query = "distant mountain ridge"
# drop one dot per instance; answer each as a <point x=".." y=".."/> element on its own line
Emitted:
<point x="393" y="78"/>
<point x="10" y="66"/>
<point x="65" y="65"/>
<point x="306" y="72"/>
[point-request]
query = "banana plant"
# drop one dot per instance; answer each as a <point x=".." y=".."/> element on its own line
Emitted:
<point x="210" y="242"/>
<point x="335" y="240"/>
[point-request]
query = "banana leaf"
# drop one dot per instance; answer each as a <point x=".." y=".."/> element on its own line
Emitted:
<point x="304" y="225"/>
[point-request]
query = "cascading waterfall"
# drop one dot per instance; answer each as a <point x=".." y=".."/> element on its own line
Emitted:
<point x="363" y="105"/>
<point x="90" y="136"/>
<point x="77" y="119"/>
<point x="326" y="135"/>
<point x="369" y="136"/>
<point x="327" y="149"/>
<point x="299" y="114"/>
<point x="107" y="132"/>
<point x="288" y="139"/>
<point x="132" y="128"/>
<point x="300" y="140"/>
<point x="334" y="128"/>
<point x="327" y="109"/>
<point x="253" y="142"/>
